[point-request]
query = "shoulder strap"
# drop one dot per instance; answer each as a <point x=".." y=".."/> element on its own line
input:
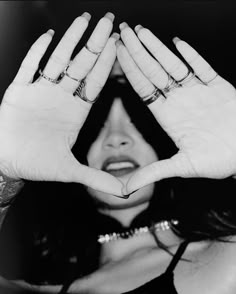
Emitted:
<point x="177" y="256"/>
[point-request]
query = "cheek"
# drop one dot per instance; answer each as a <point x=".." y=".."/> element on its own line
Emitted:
<point x="149" y="154"/>
<point x="93" y="156"/>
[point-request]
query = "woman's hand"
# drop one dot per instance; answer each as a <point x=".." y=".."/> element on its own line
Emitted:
<point x="197" y="111"/>
<point x="40" y="121"/>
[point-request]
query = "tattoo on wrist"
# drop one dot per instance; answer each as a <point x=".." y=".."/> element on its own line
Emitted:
<point x="8" y="189"/>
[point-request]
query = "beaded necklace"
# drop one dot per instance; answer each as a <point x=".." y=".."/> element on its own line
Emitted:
<point x="160" y="226"/>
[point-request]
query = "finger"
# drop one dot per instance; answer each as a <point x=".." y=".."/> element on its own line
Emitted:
<point x="61" y="55"/>
<point x="73" y="171"/>
<point x="171" y="63"/>
<point x="86" y="58"/>
<point x="174" y="167"/>
<point x="149" y="66"/>
<point x="100" y="181"/>
<point x="30" y="63"/>
<point x="101" y="70"/>
<point x="22" y="285"/>
<point x="202" y="69"/>
<point x="141" y="84"/>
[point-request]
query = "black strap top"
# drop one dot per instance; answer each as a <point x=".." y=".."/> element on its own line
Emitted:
<point x="165" y="282"/>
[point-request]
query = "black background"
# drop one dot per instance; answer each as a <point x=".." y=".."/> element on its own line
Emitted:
<point x="209" y="26"/>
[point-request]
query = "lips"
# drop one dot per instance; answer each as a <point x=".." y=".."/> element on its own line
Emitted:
<point x="119" y="166"/>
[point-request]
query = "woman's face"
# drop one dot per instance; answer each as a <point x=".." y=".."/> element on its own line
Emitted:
<point x="120" y="150"/>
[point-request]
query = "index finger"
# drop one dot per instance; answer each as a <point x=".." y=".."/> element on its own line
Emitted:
<point x="61" y="55"/>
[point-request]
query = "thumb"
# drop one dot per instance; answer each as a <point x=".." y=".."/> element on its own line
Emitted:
<point x="172" y="167"/>
<point x="98" y="180"/>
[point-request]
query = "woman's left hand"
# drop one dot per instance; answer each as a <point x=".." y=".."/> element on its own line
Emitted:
<point x="197" y="111"/>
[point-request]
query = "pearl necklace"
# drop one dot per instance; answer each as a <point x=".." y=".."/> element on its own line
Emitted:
<point x="160" y="226"/>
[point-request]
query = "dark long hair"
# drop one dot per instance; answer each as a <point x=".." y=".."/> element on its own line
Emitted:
<point x="50" y="223"/>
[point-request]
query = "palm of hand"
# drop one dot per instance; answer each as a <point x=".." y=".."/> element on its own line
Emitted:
<point x="42" y="123"/>
<point x="196" y="119"/>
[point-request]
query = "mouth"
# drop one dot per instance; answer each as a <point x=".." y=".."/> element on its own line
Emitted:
<point x="119" y="166"/>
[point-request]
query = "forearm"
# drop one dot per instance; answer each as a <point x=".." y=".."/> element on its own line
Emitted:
<point x="9" y="188"/>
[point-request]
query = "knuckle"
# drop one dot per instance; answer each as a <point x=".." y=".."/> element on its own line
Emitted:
<point x="194" y="58"/>
<point x="139" y="52"/>
<point x="94" y="45"/>
<point x="95" y="82"/>
<point x="177" y="69"/>
<point x="144" y="89"/>
<point x="71" y="38"/>
<point x="35" y="50"/>
<point x="55" y="58"/>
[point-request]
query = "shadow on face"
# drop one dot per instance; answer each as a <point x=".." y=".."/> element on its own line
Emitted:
<point x="121" y="135"/>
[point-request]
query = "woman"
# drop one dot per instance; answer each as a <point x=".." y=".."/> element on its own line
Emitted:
<point x="197" y="111"/>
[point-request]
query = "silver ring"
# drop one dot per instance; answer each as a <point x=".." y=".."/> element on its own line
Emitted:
<point x="208" y="82"/>
<point x="54" y="81"/>
<point x="152" y="97"/>
<point x="187" y="78"/>
<point x="65" y="73"/>
<point x="81" y="92"/>
<point x="171" y="84"/>
<point x="92" y="51"/>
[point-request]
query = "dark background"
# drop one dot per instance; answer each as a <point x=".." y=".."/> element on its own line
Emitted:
<point x="209" y="26"/>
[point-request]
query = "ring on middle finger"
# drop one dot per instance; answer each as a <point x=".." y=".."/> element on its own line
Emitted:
<point x="91" y="50"/>
<point x="187" y="78"/>
<point x="65" y="73"/>
<point x="156" y="93"/>
<point x="171" y="84"/>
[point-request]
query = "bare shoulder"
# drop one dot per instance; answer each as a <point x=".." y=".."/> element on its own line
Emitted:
<point x="207" y="268"/>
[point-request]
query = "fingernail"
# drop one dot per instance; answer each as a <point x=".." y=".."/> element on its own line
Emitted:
<point x="51" y="32"/>
<point x="138" y="28"/>
<point x="128" y="195"/>
<point x="86" y="15"/>
<point x="118" y="43"/>
<point x="116" y="36"/>
<point x="176" y="40"/>
<point x="123" y="25"/>
<point x="122" y="197"/>
<point x="110" y="16"/>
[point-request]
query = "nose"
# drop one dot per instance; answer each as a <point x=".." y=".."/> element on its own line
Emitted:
<point x="117" y="131"/>
<point x="117" y="139"/>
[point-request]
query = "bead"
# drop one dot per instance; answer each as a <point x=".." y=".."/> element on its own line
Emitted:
<point x="161" y="226"/>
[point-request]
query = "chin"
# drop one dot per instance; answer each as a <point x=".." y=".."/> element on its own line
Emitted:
<point x="141" y="196"/>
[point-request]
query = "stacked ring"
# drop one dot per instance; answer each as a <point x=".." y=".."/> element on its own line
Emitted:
<point x="152" y="97"/>
<point x="171" y="84"/>
<point x="81" y="92"/>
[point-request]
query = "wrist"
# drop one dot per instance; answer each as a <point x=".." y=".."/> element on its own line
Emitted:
<point x="9" y="187"/>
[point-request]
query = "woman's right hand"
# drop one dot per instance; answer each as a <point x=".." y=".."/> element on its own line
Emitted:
<point x="40" y="121"/>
